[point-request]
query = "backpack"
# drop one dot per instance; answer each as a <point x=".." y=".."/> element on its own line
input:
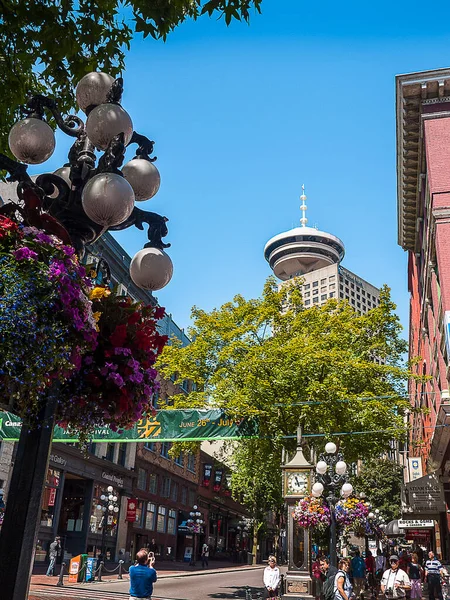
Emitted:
<point x="329" y="589"/>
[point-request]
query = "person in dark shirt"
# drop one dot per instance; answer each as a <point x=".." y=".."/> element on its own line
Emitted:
<point x="327" y="569"/>
<point x="142" y="577"/>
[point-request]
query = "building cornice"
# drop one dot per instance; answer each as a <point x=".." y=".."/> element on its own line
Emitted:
<point x="414" y="91"/>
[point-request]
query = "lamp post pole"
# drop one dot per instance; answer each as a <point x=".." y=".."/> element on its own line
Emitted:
<point x="78" y="203"/>
<point x="108" y="504"/>
<point x="331" y="474"/>
<point x="195" y="523"/>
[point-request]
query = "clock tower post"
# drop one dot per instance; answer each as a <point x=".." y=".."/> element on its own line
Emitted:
<point x="297" y="475"/>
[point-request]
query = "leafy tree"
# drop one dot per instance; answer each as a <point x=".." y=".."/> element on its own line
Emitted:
<point x="46" y="46"/>
<point x="315" y="366"/>
<point x="380" y="479"/>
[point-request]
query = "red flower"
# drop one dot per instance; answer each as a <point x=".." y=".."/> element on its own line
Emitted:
<point x="119" y="336"/>
<point x="159" y="312"/>
<point x="134" y="318"/>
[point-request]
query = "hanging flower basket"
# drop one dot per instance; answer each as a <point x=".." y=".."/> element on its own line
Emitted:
<point x="352" y="514"/>
<point x="46" y="318"/>
<point x="117" y="380"/>
<point x="312" y="512"/>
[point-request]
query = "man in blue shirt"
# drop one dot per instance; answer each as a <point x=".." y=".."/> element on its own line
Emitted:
<point x="359" y="574"/>
<point x="142" y="577"/>
<point x="433" y="572"/>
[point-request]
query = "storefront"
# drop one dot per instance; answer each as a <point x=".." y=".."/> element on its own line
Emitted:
<point x="71" y="501"/>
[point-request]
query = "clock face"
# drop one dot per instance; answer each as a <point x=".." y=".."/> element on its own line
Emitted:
<point x="297" y="483"/>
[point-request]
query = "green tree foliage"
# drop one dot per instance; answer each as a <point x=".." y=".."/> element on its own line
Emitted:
<point x="380" y="479"/>
<point x="46" y="46"/>
<point x="311" y="366"/>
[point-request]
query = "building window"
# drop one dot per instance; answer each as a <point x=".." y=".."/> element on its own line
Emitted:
<point x="49" y="497"/>
<point x="184" y="495"/>
<point x="331" y="294"/>
<point x="316" y="300"/>
<point x="358" y="304"/>
<point x="110" y="452"/>
<point x="323" y="297"/>
<point x="142" y="479"/>
<point x="122" y="454"/>
<point x="315" y="292"/>
<point x="191" y="462"/>
<point x="150" y="446"/>
<point x="306" y="286"/>
<point x="363" y="292"/>
<point x="323" y="289"/>
<point x="331" y="277"/>
<point x="307" y="302"/>
<point x="192" y="497"/>
<point x="165" y="447"/>
<point x="161" y="523"/>
<point x="315" y="284"/>
<point x="179" y="460"/>
<point x="174" y="491"/>
<point x="139" y="515"/>
<point x="358" y="297"/>
<point x="150" y="516"/>
<point x="153" y="483"/>
<point x="323" y="281"/>
<point x="332" y="286"/>
<point x="172" y="521"/>
<point x="165" y="492"/>
<point x="307" y="294"/>
<point x="92" y="448"/>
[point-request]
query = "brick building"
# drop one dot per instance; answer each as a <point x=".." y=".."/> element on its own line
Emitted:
<point x="423" y="170"/>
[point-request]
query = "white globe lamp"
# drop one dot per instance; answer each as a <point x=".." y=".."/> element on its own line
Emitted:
<point x="151" y="269"/>
<point x="341" y="467"/>
<point x="346" y="489"/>
<point x="93" y="89"/>
<point x="321" y="467"/>
<point x="32" y="141"/>
<point x="105" y="121"/>
<point x="108" y="199"/>
<point x="330" y="448"/>
<point x="317" y="488"/>
<point x="143" y="177"/>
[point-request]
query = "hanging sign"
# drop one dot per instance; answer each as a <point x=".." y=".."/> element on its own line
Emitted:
<point x="415" y="468"/>
<point x="218" y="479"/>
<point x="207" y="472"/>
<point x="131" y="510"/>
<point x="166" y="426"/>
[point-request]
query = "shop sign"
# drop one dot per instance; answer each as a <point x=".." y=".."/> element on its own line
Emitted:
<point x="425" y="495"/>
<point x="59" y="460"/>
<point x="132" y="504"/>
<point x="218" y="479"/>
<point x="415" y="468"/>
<point x="113" y="478"/>
<point x="207" y="472"/>
<point x="415" y="523"/>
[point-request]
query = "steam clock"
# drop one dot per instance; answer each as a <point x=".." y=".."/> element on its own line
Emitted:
<point x="297" y="476"/>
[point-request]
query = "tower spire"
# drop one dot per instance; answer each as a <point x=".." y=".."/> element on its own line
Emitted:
<point x="303" y="207"/>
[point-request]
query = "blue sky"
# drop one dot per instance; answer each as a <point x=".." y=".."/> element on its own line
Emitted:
<point x="242" y="116"/>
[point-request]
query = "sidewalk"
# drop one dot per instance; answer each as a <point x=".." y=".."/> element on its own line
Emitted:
<point x="165" y="571"/>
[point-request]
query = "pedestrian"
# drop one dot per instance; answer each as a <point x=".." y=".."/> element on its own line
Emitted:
<point x="327" y="569"/>
<point x="142" y="577"/>
<point x="153" y="547"/>
<point x="359" y="574"/>
<point x="342" y="586"/>
<point x="205" y="554"/>
<point x="395" y="581"/>
<point x="415" y="575"/>
<point x="317" y="578"/>
<point x="370" y="567"/>
<point x="272" y="577"/>
<point x="54" y="552"/>
<point x="433" y="572"/>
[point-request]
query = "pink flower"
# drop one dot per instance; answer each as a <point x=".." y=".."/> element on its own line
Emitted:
<point x="25" y="253"/>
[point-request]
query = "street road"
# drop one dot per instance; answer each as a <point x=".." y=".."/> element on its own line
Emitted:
<point x="226" y="586"/>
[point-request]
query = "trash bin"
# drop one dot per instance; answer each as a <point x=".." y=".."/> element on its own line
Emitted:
<point x="250" y="558"/>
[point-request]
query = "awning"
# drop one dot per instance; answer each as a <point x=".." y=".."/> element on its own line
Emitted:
<point x="392" y="529"/>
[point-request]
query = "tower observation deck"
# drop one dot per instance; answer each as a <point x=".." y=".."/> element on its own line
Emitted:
<point x="302" y="249"/>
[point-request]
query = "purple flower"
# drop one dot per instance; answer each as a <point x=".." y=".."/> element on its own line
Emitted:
<point x="124" y="351"/>
<point x="44" y="238"/>
<point x="136" y="377"/>
<point x="117" y="379"/>
<point x="68" y="250"/>
<point x="25" y="253"/>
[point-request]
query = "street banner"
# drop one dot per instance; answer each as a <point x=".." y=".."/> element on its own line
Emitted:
<point x="131" y="510"/>
<point x="415" y="468"/>
<point x="166" y="426"/>
<point x="207" y="472"/>
<point x="218" y="480"/>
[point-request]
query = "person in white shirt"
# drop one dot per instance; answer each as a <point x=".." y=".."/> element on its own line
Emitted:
<point x="395" y="581"/>
<point x="272" y="578"/>
<point x="205" y="554"/>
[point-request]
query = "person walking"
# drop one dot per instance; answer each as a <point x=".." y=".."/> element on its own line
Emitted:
<point x="433" y="572"/>
<point x="327" y="569"/>
<point x="342" y="586"/>
<point x="142" y="576"/>
<point x="205" y="554"/>
<point x="415" y="575"/>
<point x="359" y="574"/>
<point x="54" y="552"/>
<point x="272" y="578"/>
<point x="317" y="578"/>
<point x="395" y="581"/>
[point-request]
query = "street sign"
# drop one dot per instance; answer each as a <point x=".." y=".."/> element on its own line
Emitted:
<point x="415" y="523"/>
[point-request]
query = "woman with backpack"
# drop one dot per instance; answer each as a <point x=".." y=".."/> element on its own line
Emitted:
<point x="342" y="586"/>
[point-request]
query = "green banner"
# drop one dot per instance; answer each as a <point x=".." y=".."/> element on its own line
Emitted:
<point x="165" y="426"/>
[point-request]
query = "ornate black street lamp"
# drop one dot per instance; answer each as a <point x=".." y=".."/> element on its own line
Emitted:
<point x="78" y="203"/>
<point x="331" y="477"/>
<point x="108" y="504"/>
<point x="195" y="523"/>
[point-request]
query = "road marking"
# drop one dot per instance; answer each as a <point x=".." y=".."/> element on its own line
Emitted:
<point x="71" y="592"/>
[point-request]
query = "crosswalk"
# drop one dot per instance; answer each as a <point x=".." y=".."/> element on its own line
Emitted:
<point x="72" y="593"/>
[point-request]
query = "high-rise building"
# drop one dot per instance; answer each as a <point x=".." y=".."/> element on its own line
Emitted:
<point x="316" y="257"/>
